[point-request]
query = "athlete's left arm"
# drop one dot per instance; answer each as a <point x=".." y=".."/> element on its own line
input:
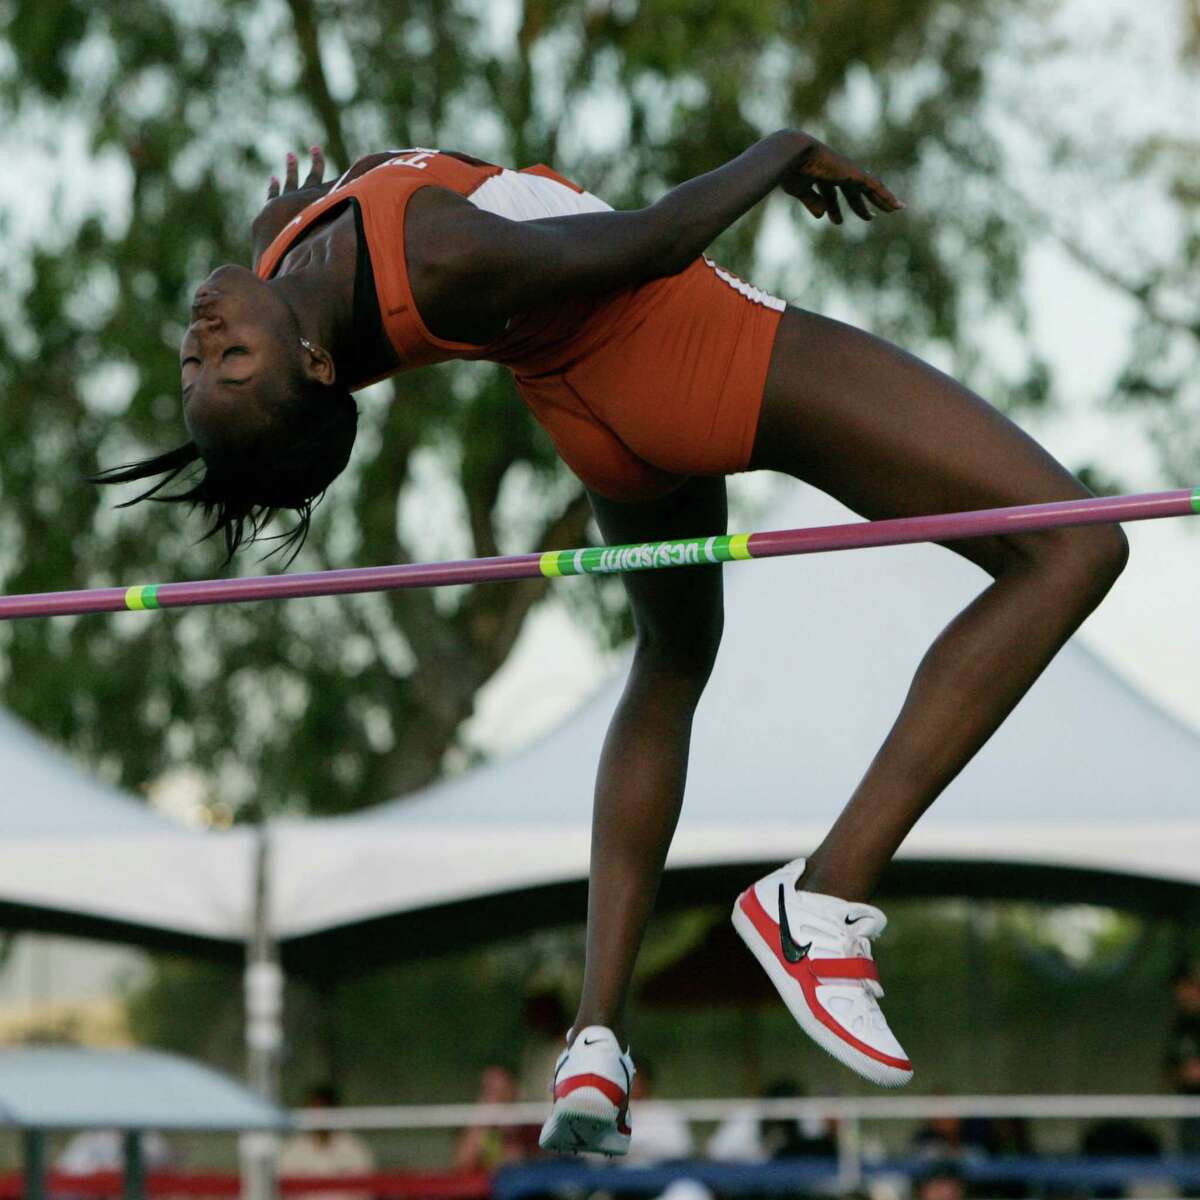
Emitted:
<point x="464" y="262"/>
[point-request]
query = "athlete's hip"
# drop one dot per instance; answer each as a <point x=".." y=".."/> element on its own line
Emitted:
<point x="673" y="373"/>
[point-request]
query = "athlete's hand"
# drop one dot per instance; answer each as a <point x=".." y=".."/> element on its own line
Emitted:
<point x="291" y="185"/>
<point x="283" y="203"/>
<point x="823" y="178"/>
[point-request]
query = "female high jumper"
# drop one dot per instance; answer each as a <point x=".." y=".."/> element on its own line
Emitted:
<point x="656" y="373"/>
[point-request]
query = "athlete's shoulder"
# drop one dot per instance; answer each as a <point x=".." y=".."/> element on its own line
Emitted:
<point x="450" y="168"/>
<point x="440" y="226"/>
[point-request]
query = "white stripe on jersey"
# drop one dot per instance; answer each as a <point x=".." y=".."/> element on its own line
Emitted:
<point x="522" y="197"/>
<point x="747" y="289"/>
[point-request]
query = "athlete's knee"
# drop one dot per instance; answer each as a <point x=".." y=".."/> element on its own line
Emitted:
<point x="1099" y="553"/>
<point x="1088" y="559"/>
<point x="682" y="657"/>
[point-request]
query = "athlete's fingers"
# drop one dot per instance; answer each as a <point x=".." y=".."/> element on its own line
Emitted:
<point x="880" y="196"/>
<point x="292" y="179"/>
<point x="273" y="187"/>
<point x="854" y="198"/>
<point x="811" y="200"/>
<point x="317" y="172"/>
<point x="829" y="195"/>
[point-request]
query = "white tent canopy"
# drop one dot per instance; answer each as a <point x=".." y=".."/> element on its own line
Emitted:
<point x="1087" y="775"/>
<point x="67" y="1087"/>
<point x="77" y="855"/>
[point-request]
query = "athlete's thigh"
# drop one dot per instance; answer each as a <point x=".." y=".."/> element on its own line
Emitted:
<point x="889" y="435"/>
<point x="680" y="609"/>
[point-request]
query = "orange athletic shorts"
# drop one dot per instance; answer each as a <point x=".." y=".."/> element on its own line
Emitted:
<point x="659" y="382"/>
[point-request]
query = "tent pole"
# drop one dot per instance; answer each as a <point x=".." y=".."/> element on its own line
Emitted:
<point x="135" y="1166"/>
<point x="35" y="1164"/>
<point x="264" y="1025"/>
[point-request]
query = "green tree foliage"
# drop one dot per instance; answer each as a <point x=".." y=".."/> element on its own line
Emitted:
<point x="996" y="1007"/>
<point x="144" y="133"/>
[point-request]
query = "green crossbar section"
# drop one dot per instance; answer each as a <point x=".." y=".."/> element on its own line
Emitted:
<point x="646" y="556"/>
<point x="141" y="596"/>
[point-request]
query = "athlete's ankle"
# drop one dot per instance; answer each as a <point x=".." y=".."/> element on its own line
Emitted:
<point x="607" y="1021"/>
<point x="816" y="878"/>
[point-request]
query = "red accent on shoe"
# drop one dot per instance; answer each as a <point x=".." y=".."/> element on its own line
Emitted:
<point x="612" y="1090"/>
<point x="844" y="968"/>
<point x="808" y="973"/>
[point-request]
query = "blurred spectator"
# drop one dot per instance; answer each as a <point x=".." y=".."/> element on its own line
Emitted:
<point x="943" y="1179"/>
<point x="747" y="1139"/>
<point x="805" y="1138"/>
<point x="658" y="1134"/>
<point x="736" y="1139"/>
<point x="1120" y="1138"/>
<point x="325" y="1153"/>
<point x="1183" y="1051"/>
<point x="950" y="1138"/>
<point x="487" y="1147"/>
<point x="1007" y="1137"/>
<point x="96" y="1150"/>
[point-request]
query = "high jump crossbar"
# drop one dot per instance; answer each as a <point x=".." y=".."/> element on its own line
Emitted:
<point x="611" y="560"/>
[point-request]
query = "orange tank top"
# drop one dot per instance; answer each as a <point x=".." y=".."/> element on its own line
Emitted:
<point x="382" y="194"/>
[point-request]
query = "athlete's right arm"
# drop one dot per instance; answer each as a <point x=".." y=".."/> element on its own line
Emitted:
<point x="470" y="266"/>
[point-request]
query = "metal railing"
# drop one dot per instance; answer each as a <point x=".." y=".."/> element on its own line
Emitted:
<point x="848" y="1170"/>
<point x="847" y="1113"/>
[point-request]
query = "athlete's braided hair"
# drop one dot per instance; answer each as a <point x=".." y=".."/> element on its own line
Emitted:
<point x="242" y="490"/>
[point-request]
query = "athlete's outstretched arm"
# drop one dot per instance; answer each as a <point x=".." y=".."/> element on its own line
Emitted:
<point x="474" y="264"/>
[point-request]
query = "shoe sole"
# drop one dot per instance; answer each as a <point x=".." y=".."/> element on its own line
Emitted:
<point x="790" y="993"/>
<point x="583" y="1121"/>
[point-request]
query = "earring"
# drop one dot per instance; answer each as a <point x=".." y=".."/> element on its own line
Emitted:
<point x="308" y="345"/>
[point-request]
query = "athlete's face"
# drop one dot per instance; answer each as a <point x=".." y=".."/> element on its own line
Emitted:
<point x="237" y="359"/>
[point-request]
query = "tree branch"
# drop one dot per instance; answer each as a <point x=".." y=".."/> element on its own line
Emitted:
<point x="493" y="616"/>
<point x="1141" y="291"/>
<point x="481" y="503"/>
<point x="316" y="86"/>
<point x="458" y="657"/>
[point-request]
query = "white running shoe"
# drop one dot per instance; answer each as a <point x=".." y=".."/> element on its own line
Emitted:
<point x="591" y="1086"/>
<point x="817" y="951"/>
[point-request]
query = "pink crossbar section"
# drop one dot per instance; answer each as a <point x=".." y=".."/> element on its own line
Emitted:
<point x="947" y="527"/>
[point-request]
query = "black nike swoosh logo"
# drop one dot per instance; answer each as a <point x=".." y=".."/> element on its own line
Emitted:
<point x="591" y="1041"/>
<point x="855" y="920"/>
<point x="791" y="951"/>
